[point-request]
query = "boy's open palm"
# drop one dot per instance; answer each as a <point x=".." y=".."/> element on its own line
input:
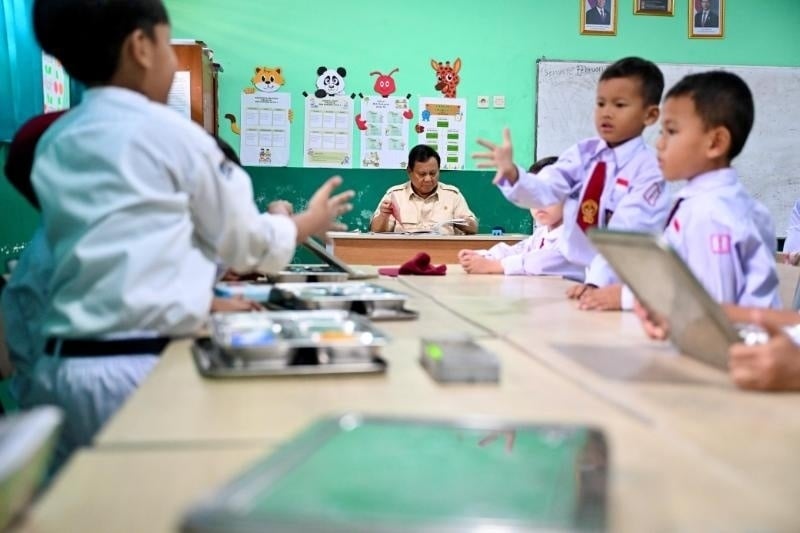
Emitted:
<point x="324" y="210"/>
<point x="500" y="157"/>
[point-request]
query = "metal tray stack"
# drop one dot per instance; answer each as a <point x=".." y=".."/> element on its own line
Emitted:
<point x="308" y="273"/>
<point x="368" y="299"/>
<point x="289" y="343"/>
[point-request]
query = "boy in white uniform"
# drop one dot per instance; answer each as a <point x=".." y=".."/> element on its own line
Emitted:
<point x="537" y="255"/>
<point x="137" y="203"/>
<point x="610" y="181"/>
<point x="726" y="237"/>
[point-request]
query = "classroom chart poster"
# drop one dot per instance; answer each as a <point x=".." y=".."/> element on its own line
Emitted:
<point x="180" y="94"/>
<point x="443" y="127"/>
<point x="266" y="129"/>
<point x="328" y="132"/>
<point x="384" y="139"/>
<point x="55" y="84"/>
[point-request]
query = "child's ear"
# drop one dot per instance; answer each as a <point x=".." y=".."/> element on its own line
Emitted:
<point x="138" y="46"/>
<point x="719" y="143"/>
<point x="651" y="115"/>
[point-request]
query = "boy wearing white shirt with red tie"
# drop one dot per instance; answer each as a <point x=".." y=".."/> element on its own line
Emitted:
<point x="612" y="180"/>
<point x="538" y="255"/>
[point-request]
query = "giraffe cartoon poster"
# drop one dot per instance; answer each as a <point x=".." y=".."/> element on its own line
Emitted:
<point x="443" y="126"/>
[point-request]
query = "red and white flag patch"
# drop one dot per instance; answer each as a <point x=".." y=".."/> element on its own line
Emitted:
<point x="652" y="194"/>
<point x="720" y="243"/>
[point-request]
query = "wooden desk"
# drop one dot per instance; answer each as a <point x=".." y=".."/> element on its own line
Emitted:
<point x="608" y="355"/>
<point x="655" y="486"/>
<point x="129" y="491"/>
<point x="396" y="248"/>
<point x="689" y="452"/>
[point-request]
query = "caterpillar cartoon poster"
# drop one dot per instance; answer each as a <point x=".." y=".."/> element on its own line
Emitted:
<point x="383" y="122"/>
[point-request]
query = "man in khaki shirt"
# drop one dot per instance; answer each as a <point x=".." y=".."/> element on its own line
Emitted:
<point x="422" y="202"/>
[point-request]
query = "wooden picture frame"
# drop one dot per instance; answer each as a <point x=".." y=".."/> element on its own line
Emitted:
<point x="598" y="17"/>
<point x="664" y="8"/>
<point x="706" y="19"/>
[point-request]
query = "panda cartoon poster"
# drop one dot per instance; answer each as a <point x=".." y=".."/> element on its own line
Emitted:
<point x="266" y="120"/>
<point x="328" y="122"/>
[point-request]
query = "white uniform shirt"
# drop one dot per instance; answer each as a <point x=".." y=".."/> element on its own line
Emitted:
<point x="633" y="196"/>
<point x="137" y="202"/>
<point x="537" y="255"/>
<point x="727" y="239"/>
<point x="792" y="243"/>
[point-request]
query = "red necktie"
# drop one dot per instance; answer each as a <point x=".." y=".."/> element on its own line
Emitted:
<point x="589" y="208"/>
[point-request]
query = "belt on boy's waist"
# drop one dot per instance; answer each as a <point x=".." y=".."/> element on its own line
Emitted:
<point x="103" y="348"/>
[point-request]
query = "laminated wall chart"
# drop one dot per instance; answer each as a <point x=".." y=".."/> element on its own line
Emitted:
<point x="266" y="129"/>
<point x="384" y="141"/>
<point x="328" y="132"/>
<point x="443" y="127"/>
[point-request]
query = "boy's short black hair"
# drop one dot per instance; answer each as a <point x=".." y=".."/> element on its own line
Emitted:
<point x="227" y="150"/>
<point x="87" y="35"/>
<point x="645" y="71"/>
<point x="721" y="99"/>
<point x="421" y="153"/>
<point x="540" y="164"/>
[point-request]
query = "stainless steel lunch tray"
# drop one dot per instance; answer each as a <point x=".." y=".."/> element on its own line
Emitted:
<point x="280" y="334"/>
<point x="369" y="299"/>
<point x="213" y="363"/>
<point x="308" y="273"/>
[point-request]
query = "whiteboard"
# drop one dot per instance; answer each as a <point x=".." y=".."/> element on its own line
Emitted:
<point x="769" y="165"/>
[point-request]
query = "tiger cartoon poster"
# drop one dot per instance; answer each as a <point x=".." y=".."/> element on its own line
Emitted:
<point x="266" y="117"/>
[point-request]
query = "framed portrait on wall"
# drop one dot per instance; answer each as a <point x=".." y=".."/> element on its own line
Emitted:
<point x="653" y="7"/>
<point x="706" y="18"/>
<point x="598" y="17"/>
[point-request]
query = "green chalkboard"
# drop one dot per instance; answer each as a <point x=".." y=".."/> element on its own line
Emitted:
<point x="298" y="184"/>
<point x="355" y="474"/>
<point x="18" y="220"/>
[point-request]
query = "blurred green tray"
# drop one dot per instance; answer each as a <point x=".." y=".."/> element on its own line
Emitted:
<point x="352" y="474"/>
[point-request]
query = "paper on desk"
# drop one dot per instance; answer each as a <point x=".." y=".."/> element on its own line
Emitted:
<point x="454" y="221"/>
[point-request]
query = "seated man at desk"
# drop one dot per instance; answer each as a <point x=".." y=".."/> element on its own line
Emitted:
<point x="423" y="203"/>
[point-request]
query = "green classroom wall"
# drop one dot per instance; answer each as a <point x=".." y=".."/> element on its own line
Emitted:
<point x="498" y="45"/>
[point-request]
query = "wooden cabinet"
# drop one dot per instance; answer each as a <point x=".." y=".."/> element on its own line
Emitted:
<point x="196" y="58"/>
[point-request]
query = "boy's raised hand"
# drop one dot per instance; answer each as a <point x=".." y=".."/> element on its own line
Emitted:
<point x="500" y="157"/>
<point x="323" y="210"/>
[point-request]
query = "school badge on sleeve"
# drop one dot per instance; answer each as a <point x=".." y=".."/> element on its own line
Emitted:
<point x="720" y="244"/>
